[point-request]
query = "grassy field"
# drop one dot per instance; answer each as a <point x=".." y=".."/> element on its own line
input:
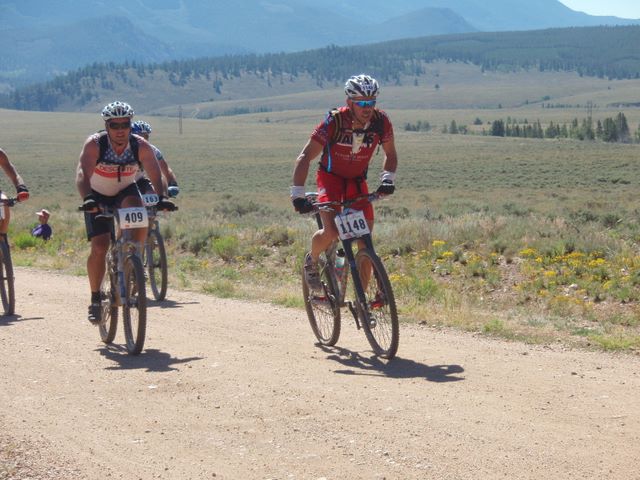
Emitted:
<point x="527" y="239"/>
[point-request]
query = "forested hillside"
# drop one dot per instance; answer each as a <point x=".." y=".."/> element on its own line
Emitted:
<point x="609" y="52"/>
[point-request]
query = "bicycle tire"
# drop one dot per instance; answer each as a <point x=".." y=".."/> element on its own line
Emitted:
<point x="379" y="317"/>
<point x="323" y="310"/>
<point x="134" y="305"/>
<point x="7" y="292"/>
<point x="109" y="324"/>
<point x="156" y="259"/>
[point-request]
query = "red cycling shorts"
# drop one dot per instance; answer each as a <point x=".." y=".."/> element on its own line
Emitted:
<point x="333" y="188"/>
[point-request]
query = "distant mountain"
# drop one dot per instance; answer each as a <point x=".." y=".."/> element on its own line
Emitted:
<point x="435" y="21"/>
<point x="40" y="38"/>
<point x="210" y="83"/>
<point x="54" y="50"/>
<point x="507" y="15"/>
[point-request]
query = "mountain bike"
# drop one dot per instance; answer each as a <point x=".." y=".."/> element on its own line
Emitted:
<point x="7" y="288"/>
<point x="154" y="253"/>
<point x="373" y="306"/>
<point x="123" y="284"/>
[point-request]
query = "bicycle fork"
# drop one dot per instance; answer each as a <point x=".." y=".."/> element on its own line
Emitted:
<point x="361" y="298"/>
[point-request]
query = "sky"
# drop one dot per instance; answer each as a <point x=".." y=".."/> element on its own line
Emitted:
<point x="616" y="8"/>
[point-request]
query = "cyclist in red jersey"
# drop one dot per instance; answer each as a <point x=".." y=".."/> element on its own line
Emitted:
<point x="346" y="140"/>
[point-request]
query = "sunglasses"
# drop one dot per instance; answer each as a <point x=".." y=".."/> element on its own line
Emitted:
<point x="365" y="103"/>
<point x="119" y="125"/>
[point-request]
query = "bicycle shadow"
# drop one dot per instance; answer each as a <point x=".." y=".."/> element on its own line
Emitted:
<point x="397" y="368"/>
<point x="152" y="360"/>
<point x="168" y="303"/>
<point x="8" y="320"/>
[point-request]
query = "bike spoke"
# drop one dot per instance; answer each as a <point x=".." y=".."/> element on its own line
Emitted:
<point x="322" y="309"/>
<point x="379" y="309"/>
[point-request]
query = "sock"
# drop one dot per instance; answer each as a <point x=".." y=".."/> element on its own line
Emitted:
<point x="95" y="297"/>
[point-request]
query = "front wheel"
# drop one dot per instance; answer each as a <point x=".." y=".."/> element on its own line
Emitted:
<point x="109" y="323"/>
<point x="156" y="259"/>
<point x="323" y="307"/>
<point x="7" y="292"/>
<point x="134" y="305"/>
<point x="378" y="315"/>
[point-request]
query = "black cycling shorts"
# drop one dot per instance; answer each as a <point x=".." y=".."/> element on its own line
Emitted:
<point x="98" y="226"/>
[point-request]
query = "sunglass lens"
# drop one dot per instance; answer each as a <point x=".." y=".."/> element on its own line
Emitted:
<point x="119" y="125"/>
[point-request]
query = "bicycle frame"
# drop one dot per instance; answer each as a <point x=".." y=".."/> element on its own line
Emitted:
<point x="122" y="244"/>
<point x="7" y="279"/>
<point x="347" y="245"/>
<point x="373" y="308"/>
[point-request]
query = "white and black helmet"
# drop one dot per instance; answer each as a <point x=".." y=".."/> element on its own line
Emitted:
<point x="117" y="109"/>
<point x="361" y="86"/>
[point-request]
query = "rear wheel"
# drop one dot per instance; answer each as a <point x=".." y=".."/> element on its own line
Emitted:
<point x="379" y="316"/>
<point x="322" y="307"/>
<point x="109" y="324"/>
<point x="134" y="305"/>
<point x="156" y="260"/>
<point x="7" y="293"/>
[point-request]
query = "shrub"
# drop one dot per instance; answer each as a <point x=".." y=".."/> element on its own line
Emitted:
<point x="226" y="247"/>
<point x="23" y="241"/>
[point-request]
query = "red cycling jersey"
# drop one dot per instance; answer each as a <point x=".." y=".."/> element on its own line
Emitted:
<point x="344" y="158"/>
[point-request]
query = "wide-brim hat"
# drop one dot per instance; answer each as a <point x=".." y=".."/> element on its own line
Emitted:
<point x="43" y="213"/>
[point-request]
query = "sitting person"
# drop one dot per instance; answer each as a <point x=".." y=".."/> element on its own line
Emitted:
<point x="44" y="229"/>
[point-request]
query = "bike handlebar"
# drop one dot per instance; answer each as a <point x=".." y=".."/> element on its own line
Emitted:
<point x="109" y="210"/>
<point x="325" y="206"/>
<point x="9" y="202"/>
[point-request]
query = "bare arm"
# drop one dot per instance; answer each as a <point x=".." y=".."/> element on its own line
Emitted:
<point x="310" y="151"/>
<point x="167" y="172"/>
<point x="86" y="166"/>
<point x="390" y="163"/>
<point x="10" y="170"/>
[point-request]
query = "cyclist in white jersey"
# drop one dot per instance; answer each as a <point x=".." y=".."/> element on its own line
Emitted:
<point x="106" y="175"/>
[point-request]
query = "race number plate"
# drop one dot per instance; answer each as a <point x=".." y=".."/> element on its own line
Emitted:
<point x="150" y="199"/>
<point x="351" y="224"/>
<point x="134" y="217"/>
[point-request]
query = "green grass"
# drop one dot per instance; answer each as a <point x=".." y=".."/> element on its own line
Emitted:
<point x="452" y="237"/>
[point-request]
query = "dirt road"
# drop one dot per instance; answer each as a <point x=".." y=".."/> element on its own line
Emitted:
<point x="236" y="390"/>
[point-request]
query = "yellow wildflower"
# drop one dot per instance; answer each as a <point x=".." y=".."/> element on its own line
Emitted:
<point x="528" y="252"/>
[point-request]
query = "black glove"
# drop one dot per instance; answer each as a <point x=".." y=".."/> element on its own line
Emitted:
<point x="23" y="192"/>
<point x="89" y="204"/>
<point x="386" y="188"/>
<point x="166" y="204"/>
<point x="302" y="205"/>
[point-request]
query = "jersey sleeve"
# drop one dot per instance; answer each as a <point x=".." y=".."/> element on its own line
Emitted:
<point x="323" y="131"/>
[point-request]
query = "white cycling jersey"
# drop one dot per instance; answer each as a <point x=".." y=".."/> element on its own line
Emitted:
<point x="113" y="173"/>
